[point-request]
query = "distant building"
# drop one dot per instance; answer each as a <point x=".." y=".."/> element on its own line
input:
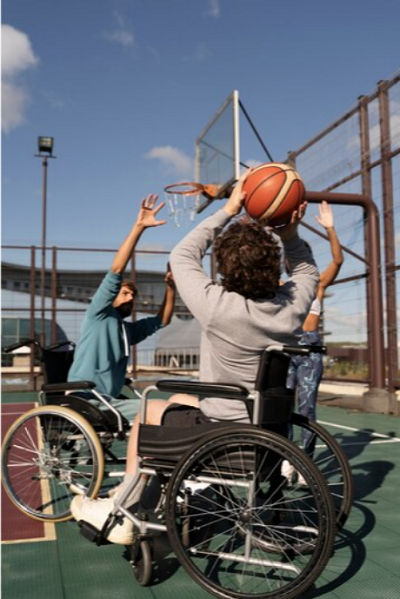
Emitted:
<point x="80" y="286"/>
<point x="178" y="345"/>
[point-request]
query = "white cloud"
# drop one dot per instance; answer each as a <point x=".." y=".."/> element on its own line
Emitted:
<point x="174" y="160"/>
<point x="16" y="51"/>
<point x="121" y="34"/>
<point x="13" y="105"/>
<point x="17" y="56"/>
<point x="252" y="163"/>
<point x="54" y="100"/>
<point x="213" y="10"/>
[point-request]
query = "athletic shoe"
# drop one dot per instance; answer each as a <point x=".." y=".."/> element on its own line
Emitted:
<point x="96" y="512"/>
<point x="288" y="471"/>
<point x="300" y="480"/>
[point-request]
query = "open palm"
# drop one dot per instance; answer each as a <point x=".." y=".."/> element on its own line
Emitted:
<point x="148" y="212"/>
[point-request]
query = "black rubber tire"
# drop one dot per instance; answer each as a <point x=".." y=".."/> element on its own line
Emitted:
<point x="143" y="565"/>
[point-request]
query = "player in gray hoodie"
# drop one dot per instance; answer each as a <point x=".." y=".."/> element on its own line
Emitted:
<point x="240" y="315"/>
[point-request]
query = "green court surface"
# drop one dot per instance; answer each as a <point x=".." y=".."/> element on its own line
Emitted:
<point x="365" y="562"/>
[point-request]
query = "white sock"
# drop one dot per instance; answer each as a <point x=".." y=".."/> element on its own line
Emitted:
<point x="134" y="495"/>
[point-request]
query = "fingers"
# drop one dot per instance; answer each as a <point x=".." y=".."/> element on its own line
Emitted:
<point x="159" y="207"/>
<point x="297" y="215"/>
<point x="324" y="209"/>
<point x="244" y="175"/>
<point x="149" y="201"/>
<point x="243" y="178"/>
<point x="149" y="204"/>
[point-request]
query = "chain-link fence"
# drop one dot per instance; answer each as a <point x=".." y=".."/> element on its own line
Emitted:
<point x="360" y="154"/>
<point x="357" y="154"/>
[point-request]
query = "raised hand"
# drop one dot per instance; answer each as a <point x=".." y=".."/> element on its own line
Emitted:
<point x="325" y="217"/>
<point x="148" y="211"/>
<point x="290" y="230"/>
<point x="236" y="200"/>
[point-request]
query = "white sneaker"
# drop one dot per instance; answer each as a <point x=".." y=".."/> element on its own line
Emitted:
<point x="288" y="471"/>
<point x="96" y="512"/>
<point x="300" y="480"/>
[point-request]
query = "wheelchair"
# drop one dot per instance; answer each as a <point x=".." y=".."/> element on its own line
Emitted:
<point x="66" y="445"/>
<point x="235" y="524"/>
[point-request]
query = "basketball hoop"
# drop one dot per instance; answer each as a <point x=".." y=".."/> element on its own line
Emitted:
<point x="183" y="200"/>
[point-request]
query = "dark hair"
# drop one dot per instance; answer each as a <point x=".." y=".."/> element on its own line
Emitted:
<point x="128" y="283"/>
<point x="248" y="259"/>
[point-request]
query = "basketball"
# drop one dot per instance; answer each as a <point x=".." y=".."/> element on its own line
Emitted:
<point x="273" y="192"/>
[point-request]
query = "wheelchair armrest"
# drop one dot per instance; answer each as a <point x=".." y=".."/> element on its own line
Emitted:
<point x="203" y="389"/>
<point x="304" y="350"/>
<point x="71" y="386"/>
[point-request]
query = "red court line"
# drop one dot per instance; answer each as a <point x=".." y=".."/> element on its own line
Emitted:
<point x="15" y="525"/>
<point x="16" y="408"/>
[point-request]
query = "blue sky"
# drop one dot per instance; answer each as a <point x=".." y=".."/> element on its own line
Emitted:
<point x="126" y="86"/>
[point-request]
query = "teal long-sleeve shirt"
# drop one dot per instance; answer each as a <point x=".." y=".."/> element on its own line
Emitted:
<point x="102" y="352"/>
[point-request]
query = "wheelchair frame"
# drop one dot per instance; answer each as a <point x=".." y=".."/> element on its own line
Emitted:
<point x="246" y="533"/>
<point x="92" y="422"/>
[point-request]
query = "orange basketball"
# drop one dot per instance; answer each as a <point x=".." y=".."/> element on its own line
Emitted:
<point x="273" y="192"/>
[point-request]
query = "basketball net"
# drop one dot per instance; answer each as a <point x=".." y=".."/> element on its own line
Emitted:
<point x="182" y="208"/>
<point x="184" y="200"/>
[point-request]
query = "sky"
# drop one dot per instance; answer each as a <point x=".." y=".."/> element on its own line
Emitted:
<point x="126" y="86"/>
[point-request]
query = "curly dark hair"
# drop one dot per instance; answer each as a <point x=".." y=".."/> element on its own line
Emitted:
<point x="248" y="259"/>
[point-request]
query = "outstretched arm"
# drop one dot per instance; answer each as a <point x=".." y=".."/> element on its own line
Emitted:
<point x="326" y="220"/>
<point x="167" y="307"/>
<point x="145" y="219"/>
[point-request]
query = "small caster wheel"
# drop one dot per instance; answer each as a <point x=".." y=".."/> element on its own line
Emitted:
<point x="142" y="562"/>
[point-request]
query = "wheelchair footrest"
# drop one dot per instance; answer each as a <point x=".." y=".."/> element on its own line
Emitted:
<point x="91" y="533"/>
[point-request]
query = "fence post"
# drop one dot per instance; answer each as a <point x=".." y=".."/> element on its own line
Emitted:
<point x="388" y="227"/>
<point x="32" y="286"/>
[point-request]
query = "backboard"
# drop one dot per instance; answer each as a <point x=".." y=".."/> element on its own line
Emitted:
<point x="217" y="160"/>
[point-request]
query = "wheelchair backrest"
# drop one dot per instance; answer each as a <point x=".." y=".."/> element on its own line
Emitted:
<point x="56" y="364"/>
<point x="277" y="401"/>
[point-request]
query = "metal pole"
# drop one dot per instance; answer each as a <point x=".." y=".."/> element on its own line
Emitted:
<point x="389" y="236"/>
<point x="32" y="281"/>
<point x="365" y="156"/>
<point x="54" y="297"/>
<point x="43" y="264"/>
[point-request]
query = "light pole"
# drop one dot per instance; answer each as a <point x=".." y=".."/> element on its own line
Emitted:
<point x="45" y="148"/>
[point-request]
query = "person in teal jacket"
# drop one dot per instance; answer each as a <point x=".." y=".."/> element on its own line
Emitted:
<point x="103" y="349"/>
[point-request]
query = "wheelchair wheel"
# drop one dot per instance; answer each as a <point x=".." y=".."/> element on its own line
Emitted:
<point x="46" y="453"/>
<point x="332" y="462"/>
<point x="142" y="562"/>
<point x="248" y="533"/>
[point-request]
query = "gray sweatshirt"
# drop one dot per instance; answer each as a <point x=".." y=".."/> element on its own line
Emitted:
<point x="236" y="330"/>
